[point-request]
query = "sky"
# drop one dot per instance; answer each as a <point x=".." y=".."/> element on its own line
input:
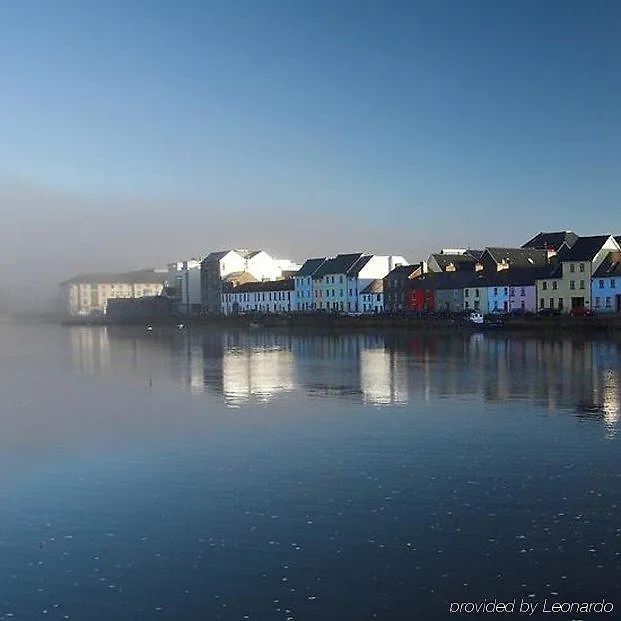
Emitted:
<point x="135" y="133"/>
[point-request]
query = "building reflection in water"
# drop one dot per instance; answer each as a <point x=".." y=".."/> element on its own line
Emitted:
<point x="258" y="366"/>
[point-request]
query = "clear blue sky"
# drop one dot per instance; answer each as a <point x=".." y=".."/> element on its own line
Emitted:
<point x="133" y="133"/>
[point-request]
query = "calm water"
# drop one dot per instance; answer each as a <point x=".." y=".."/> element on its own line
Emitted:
<point x="266" y="476"/>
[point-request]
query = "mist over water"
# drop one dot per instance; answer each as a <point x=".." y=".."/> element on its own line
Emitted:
<point x="268" y="475"/>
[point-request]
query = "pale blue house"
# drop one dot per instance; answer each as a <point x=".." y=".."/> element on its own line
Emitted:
<point x="606" y="285"/>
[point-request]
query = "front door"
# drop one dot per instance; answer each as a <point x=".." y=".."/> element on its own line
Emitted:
<point x="577" y="302"/>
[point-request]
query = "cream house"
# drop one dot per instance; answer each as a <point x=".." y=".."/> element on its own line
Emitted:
<point x="568" y="286"/>
<point x="88" y="294"/>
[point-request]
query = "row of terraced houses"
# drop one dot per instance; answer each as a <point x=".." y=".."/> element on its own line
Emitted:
<point x="556" y="271"/>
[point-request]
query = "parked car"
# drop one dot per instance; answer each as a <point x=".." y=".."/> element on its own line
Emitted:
<point x="520" y="312"/>
<point x="549" y="312"/>
<point x="581" y="312"/>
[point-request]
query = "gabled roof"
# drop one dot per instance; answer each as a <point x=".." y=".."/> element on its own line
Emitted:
<point x="460" y="261"/>
<point x="355" y="269"/>
<point x="551" y="241"/>
<point x="149" y="276"/>
<point x="427" y="281"/>
<point x="476" y="254"/>
<point x="611" y="266"/>
<point x="375" y="286"/>
<point x="586" y="248"/>
<point x="237" y="278"/>
<point x="310" y="266"/>
<point x="456" y="280"/>
<point x="618" y="239"/>
<point x="340" y="264"/>
<point x="518" y="257"/>
<point x="220" y="254"/>
<point x="285" y="284"/>
<point x="404" y="271"/>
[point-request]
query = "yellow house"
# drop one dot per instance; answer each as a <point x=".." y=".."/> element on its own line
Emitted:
<point x="568" y="285"/>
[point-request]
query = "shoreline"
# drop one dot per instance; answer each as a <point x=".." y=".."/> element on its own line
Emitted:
<point x="343" y="323"/>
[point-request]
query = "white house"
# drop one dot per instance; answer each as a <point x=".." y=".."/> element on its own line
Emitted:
<point x="276" y="296"/>
<point x="217" y="265"/>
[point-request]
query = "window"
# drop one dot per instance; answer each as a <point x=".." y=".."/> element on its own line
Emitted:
<point x="560" y="304"/>
<point x="572" y="268"/>
<point x="512" y="292"/>
<point x="582" y="267"/>
<point x="608" y="302"/>
<point x="467" y="304"/>
<point x="601" y="283"/>
<point x="597" y="302"/>
<point x="467" y="294"/>
<point x="612" y="283"/>
<point x="572" y="284"/>
<point x="476" y="293"/>
<point x="523" y="291"/>
<point x="378" y="297"/>
<point x="554" y="285"/>
<point x="544" y="286"/>
<point x="542" y="303"/>
<point x="495" y="290"/>
<point x="582" y="284"/>
<point x="551" y="302"/>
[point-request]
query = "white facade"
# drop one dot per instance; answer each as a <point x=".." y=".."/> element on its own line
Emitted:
<point x="272" y="297"/>
<point x="185" y="278"/>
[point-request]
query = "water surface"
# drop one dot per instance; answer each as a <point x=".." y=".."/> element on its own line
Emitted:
<point x="265" y="475"/>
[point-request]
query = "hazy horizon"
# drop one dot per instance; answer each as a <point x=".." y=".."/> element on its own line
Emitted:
<point x="139" y="134"/>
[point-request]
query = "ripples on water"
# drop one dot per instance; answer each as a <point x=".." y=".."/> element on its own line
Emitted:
<point x="208" y="475"/>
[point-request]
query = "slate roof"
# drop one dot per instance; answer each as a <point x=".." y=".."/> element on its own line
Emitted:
<point x="341" y="264"/>
<point x="460" y="261"/>
<point x="215" y="256"/>
<point x="611" y="266"/>
<point x="585" y="248"/>
<point x="375" y="286"/>
<point x="148" y="276"/>
<point x="519" y="276"/>
<point x="456" y="280"/>
<point x="552" y="240"/>
<point x="403" y="270"/>
<point x="518" y="257"/>
<point x="476" y="254"/>
<point x="285" y="284"/>
<point x="310" y="266"/>
<point x="220" y="254"/>
<point x="427" y="281"/>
